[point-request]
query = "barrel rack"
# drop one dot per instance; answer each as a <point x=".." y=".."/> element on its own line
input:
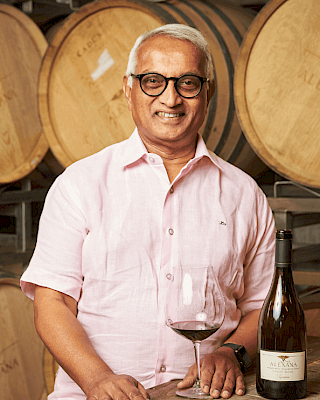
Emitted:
<point x="16" y="248"/>
<point x="295" y="206"/>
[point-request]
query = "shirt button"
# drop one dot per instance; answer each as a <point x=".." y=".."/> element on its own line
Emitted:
<point x="163" y="369"/>
<point x="171" y="190"/>
<point x="171" y="231"/>
<point x="168" y="276"/>
<point x="151" y="159"/>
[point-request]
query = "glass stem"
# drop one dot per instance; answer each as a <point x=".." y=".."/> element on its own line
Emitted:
<point x="197" y="354"/>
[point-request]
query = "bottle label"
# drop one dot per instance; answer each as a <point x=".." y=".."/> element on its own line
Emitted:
<point x="282" y="366"/>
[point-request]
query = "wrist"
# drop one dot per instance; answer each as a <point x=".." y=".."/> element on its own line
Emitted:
<point x="241" y="355"/>
<point x="97" y="378"/>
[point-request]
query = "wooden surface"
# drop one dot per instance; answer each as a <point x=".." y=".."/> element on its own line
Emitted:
<point x="167" y="390"/>
<point x="277" y="88"/>
<point x="81" y="102"/>
<point x="22" y="142"/>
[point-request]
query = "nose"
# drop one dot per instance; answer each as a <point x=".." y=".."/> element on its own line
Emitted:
<point x="170" y="97"/>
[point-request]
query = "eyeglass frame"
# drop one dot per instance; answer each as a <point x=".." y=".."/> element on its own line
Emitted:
<point x="175" y="80"/>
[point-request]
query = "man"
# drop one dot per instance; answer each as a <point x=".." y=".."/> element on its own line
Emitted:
<point x="115" y="224"/>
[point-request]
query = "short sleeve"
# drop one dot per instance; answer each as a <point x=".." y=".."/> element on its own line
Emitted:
<point x="259" y="261"/>
<point x="56" y="262"/>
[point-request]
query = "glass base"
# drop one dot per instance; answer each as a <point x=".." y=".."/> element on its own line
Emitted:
<point x="193" y="393"/>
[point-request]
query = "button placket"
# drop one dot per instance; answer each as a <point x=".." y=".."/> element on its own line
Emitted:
<point x="156" y="164"/>
<point x="169" y="257"/>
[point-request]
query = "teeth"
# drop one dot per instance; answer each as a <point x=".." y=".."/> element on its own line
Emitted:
<point x="168" y="115"/>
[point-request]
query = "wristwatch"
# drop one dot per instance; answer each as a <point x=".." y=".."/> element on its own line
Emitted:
<point x="241" y="354"/>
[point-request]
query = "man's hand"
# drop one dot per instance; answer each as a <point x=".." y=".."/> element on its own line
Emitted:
<point x="116" y="387"/>
<point x="220" y="374"/>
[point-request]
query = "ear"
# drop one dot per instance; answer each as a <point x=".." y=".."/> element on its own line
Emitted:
<point x="211" y="90"/>
<point x="127" y="91"/>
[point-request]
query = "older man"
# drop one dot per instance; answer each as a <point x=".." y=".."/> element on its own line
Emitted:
<point x="116" y="223"/>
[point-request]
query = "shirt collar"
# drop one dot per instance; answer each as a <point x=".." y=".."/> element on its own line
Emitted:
<point x="135" y="149"/>
<point x="202" y="151"/>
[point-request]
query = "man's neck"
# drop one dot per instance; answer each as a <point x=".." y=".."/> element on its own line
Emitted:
<point x="174" y="159"/>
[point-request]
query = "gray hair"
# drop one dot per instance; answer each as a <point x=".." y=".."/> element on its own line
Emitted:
<point x="178" y="31"/>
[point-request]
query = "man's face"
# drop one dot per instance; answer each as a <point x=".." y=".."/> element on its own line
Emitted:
<point x="168" y="119"/>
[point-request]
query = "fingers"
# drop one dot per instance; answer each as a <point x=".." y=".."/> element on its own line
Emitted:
<point x="232" y="383"/>
<point x="143" y="391"/>
<point x="119" y="395"/>
<point x="189" y="379"/>
<point x="134" y="391"/>
<point x="220" y="376"/>
<point x="207" y="374"/>
<point x="223" y="384"/>
<point x="135" y="395"/>
<point x="119" y="387"/>
<point x="240" y="386"/>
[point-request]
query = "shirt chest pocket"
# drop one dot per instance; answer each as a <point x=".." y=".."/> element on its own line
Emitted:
<point x="228" y="257"/>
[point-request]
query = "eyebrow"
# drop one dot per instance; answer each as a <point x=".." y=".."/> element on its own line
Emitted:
<point x="184" y="73"/>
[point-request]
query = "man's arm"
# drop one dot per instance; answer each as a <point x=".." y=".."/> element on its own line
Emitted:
<point x="220" y="371"/>
<point x="58" y="327"/>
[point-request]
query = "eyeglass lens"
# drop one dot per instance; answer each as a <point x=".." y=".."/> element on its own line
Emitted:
<point x="186" y="86"/>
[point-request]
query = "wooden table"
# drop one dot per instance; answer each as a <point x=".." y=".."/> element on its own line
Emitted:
<point x="167" y="390"/>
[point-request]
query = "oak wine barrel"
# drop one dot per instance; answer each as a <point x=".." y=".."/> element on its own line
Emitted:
<point x="277" y="88"/>
<point x="81" y="102"/>
<point x="22" y="353"/>
<point x="22" y="142"/>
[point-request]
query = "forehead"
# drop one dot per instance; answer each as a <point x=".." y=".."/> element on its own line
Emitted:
<point x="169" y="56"/>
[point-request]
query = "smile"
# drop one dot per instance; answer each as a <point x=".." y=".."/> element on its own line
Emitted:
<point x="169" y="115"/>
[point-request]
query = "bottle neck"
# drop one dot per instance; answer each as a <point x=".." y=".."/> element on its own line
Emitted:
<point x="283" y="278"/>
<point x="283" y="270"/>
<point x="283" y="252"/>
<point x="283" y="265"/>
<point x="283" y="260"/>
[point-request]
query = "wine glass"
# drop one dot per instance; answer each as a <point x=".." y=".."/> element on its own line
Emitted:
<point x="195" y="309"/>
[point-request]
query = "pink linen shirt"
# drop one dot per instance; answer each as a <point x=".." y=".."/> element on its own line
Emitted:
<point x="114" y="226"/>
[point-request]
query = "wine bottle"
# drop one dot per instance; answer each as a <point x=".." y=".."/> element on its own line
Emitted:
<point x="281" y="353"/>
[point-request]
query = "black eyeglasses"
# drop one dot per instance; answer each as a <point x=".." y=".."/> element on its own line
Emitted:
<point x="187" y="86"/>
